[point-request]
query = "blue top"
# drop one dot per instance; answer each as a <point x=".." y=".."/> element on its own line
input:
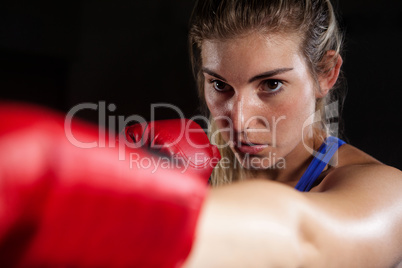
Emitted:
<point x="321" y="159"/>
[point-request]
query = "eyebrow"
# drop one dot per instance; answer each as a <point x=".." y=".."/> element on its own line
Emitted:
<point x="254" y="78"/>
<point x="211" y="73"/>
<point x="270" y="74"/>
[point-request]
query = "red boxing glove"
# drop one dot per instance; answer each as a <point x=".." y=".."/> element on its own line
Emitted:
<point x="181" y="139"/>
<point x="64" y="206"/>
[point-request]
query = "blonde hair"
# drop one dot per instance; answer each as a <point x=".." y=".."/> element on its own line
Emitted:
<point x="313" y="20"/>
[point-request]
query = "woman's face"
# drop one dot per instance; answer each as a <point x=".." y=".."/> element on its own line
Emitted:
<point x="259" y="90"/>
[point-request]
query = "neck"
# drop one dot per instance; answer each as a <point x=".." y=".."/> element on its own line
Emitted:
<point x="295" y="164"/>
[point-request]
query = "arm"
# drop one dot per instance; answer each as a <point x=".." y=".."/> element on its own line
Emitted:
<point x="66" y="206"/>
<point x="353" y="222"/>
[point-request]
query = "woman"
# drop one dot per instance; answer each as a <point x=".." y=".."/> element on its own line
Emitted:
<point x="267" y="71"/>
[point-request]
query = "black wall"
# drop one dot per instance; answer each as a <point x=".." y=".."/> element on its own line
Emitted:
<point x="134" y="53"/>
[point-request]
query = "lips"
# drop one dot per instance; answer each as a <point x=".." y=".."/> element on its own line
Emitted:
<point x="250" y="148"/>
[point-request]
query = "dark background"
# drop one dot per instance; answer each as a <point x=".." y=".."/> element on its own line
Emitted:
<point x="134" y="53"/>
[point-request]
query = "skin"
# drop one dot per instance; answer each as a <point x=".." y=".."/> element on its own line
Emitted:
<point x="351" y="219"/>
<point x="260" y="115"/>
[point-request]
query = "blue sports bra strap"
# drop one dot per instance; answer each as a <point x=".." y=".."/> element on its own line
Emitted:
<point x="321" y="159"/>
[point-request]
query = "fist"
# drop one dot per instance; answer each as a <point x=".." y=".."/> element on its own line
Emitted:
<point x="182" y="140"/>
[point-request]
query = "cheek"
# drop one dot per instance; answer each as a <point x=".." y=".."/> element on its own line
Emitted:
<point x="294" y="112"/>
<point x="302" y="106"/>
<point x="211" y="104"/>
<point x="218" y="107"/>
<point x="217" y="104"/>
<point x="216" y="110"/>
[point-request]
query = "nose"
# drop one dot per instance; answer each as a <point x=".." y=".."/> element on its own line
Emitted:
<point x="243" y="112"/>
<point x="237" y="114"/>
<point x="248" y="118"/>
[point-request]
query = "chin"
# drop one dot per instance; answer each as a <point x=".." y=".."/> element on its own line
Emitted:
<point x="257" y="162"/>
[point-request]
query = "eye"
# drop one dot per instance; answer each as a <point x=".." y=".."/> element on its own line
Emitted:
<point x="220" y="86"/>
<point x="272" y="85"/>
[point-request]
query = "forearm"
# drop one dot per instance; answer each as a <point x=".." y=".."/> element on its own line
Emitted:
<point x="267" y="224"/>
<point x="251" y="224"/>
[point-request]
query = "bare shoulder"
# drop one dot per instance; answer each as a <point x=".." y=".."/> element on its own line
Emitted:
<point x="356" y="169"/>
<point x="363" y="192"/>
<point x="350" y="155"/>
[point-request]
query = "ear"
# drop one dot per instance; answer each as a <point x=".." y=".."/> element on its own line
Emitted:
<point x="328" y="79"/>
